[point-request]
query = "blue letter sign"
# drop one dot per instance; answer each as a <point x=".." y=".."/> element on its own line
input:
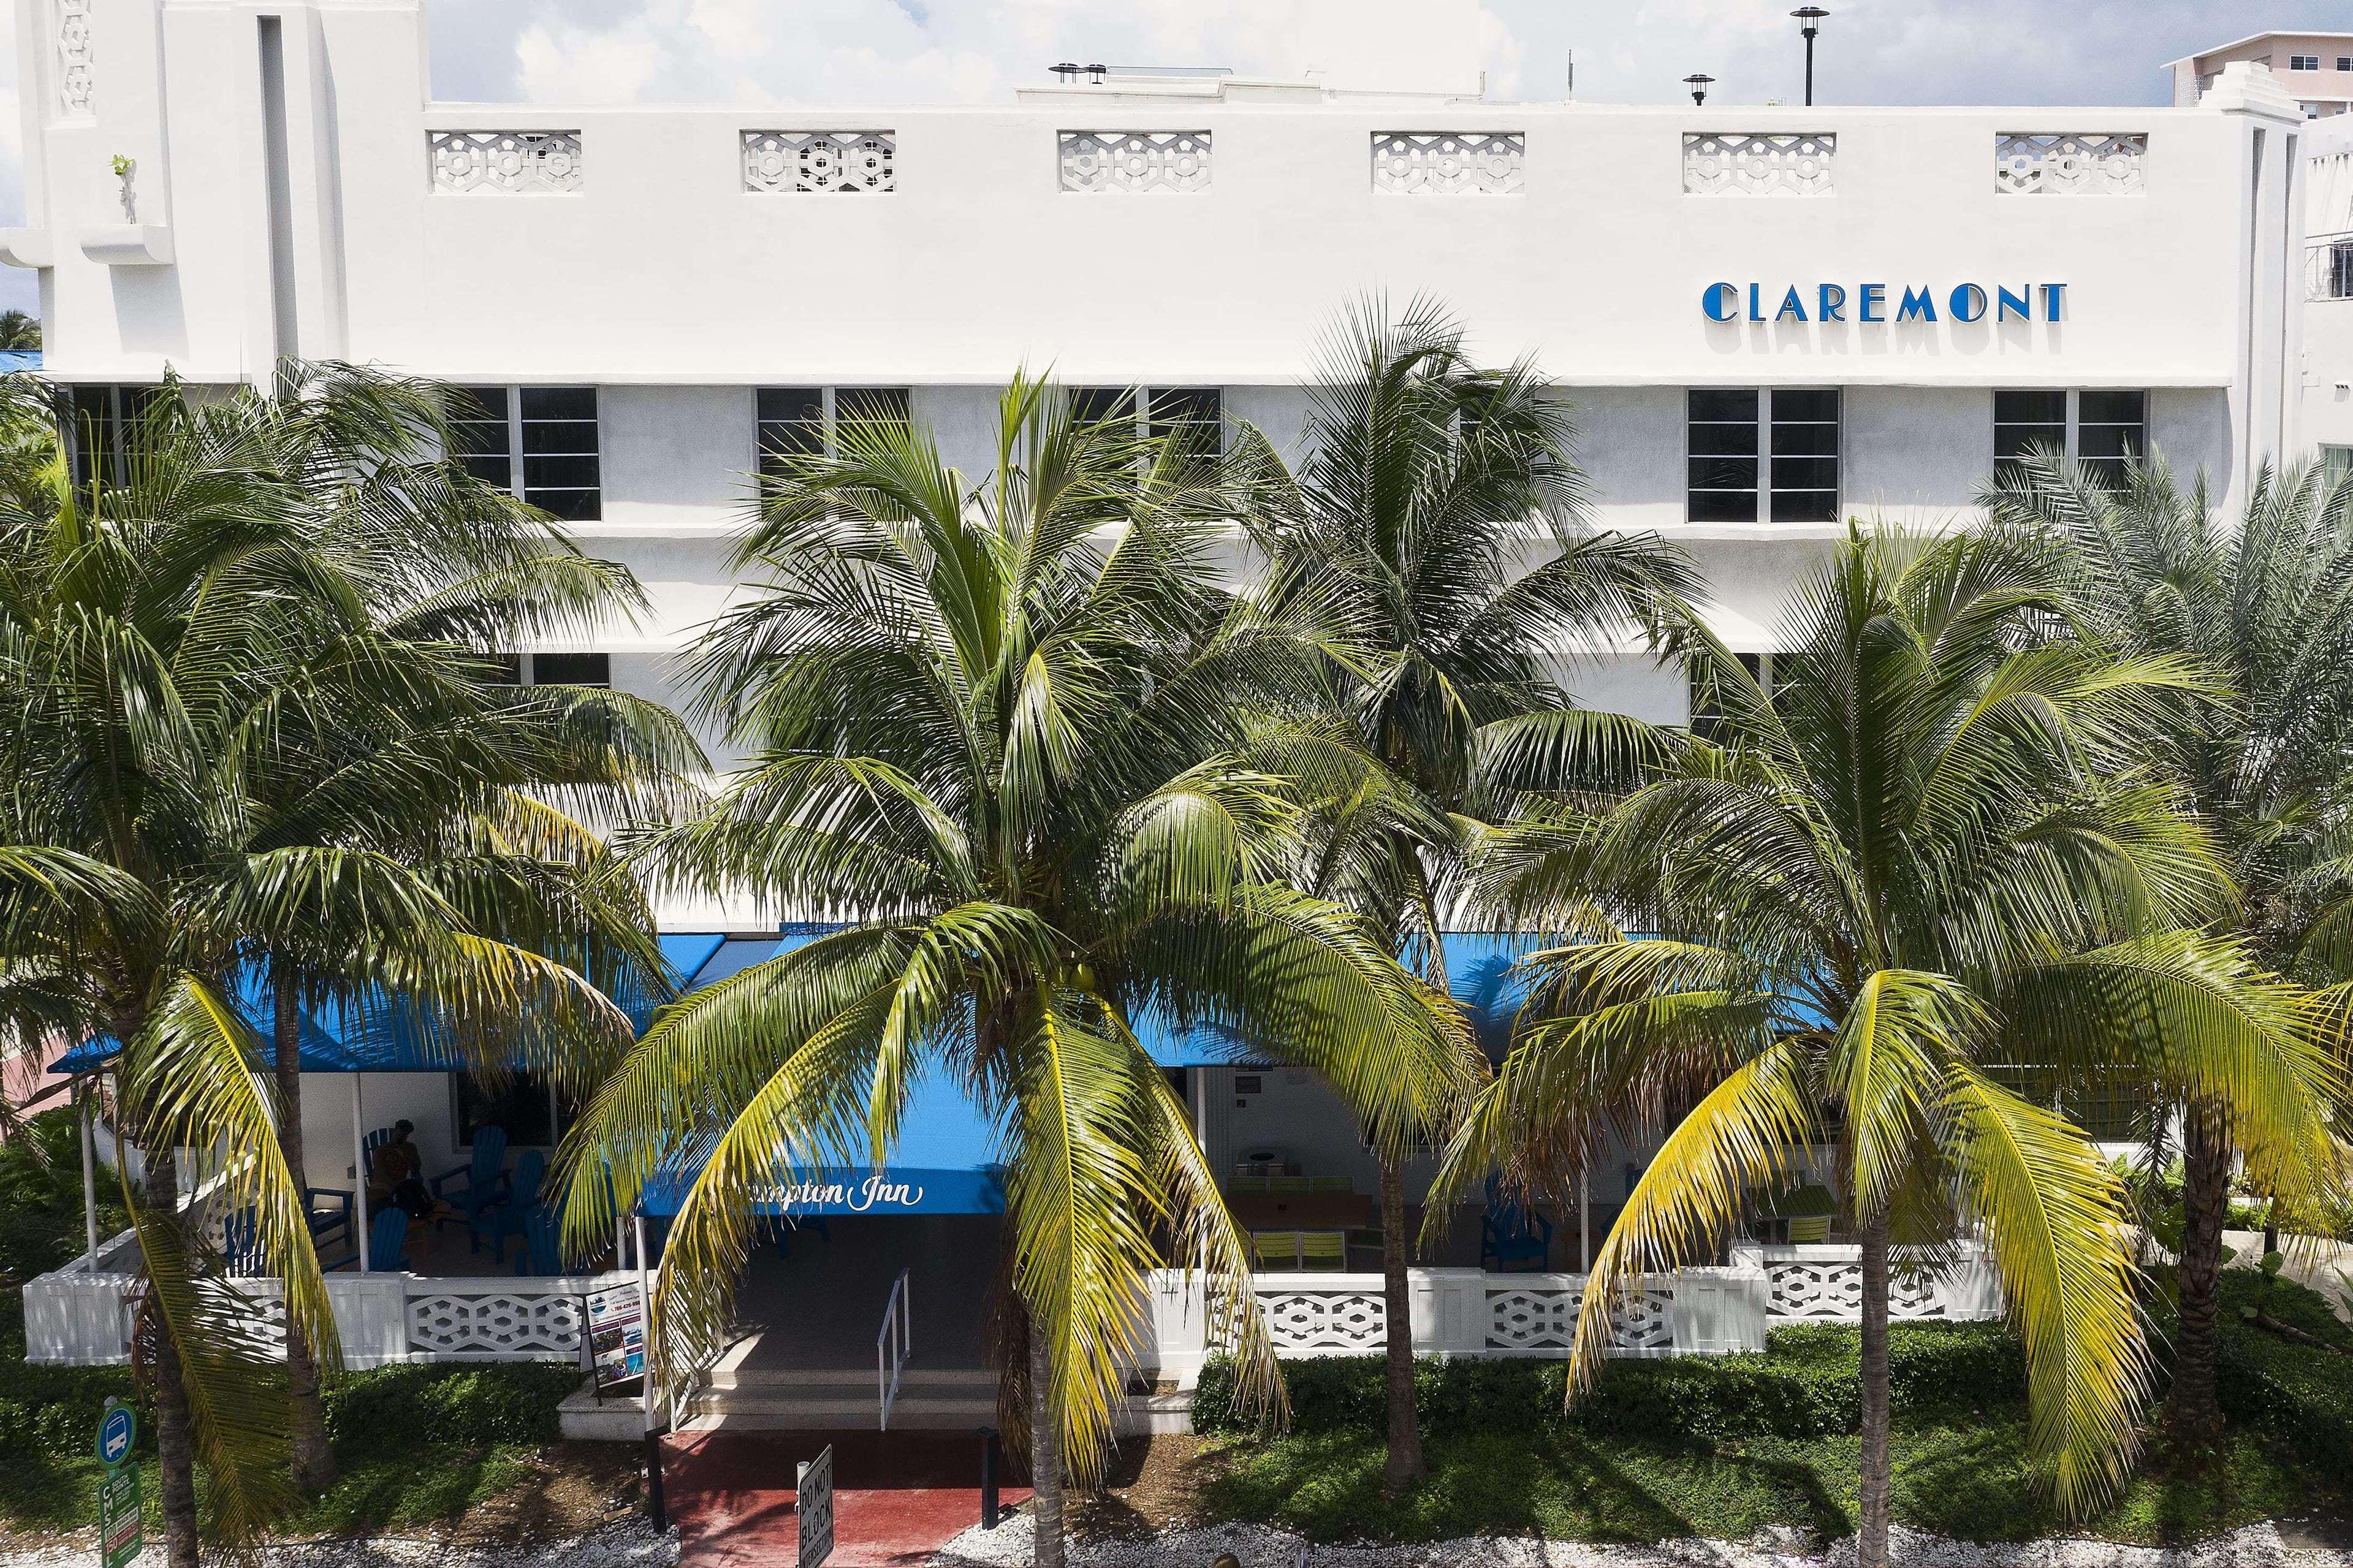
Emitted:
<point x="1964" y="303"/>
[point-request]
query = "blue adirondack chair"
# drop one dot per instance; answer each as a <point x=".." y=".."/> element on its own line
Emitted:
<point x="485" y="1176"/>
<point x="1512" y="1235"/>
<point x="368" y="1145"/>
<point x="538" y="1255"/>
<point x="388" y="1242"/>
<point x="325" y="1223"/>
<point x="508" y="1217"/>
<point x="237" y="1249"/>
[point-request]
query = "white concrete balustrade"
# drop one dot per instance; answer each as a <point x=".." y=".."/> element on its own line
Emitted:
<point x="1470" y="1312"/>
<point x="78" y="1316"/>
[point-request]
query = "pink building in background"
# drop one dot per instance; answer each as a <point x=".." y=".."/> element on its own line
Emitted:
<point x="2317" y="68"/>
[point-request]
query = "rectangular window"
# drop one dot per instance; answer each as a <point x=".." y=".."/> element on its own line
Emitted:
<point x="572" y="670"/>
<point x="792" y="425"/>
<point x="101" y="421"/>
<point x="2111" y="432"/>
<point x="480" y="434"/>
<point x="1706" y="713"/>
<point x="1772" y="455"/>
<point x="1097" y="404"/>
<point x="1805" y="456"/>
<point x="2024" y="419"/>
<point x="860" y="409"/>
<point x="2304" y="63"/>
<point x="2345" y="62"/>
<point x="1195" y="415"/>
<point x="1721" y="469"/>
<point x="2336" y="465"/>
<point x="809" y="421"/>
<point x="561" y="470"/>
<point x="538" y="442"/>
<point x="2102" y="431"/>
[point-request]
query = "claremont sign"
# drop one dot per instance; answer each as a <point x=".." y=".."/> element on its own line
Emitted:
<point x="1876" y="303"/>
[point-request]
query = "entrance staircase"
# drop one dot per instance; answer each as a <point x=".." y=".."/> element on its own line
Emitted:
<point x="743" y="1398"/>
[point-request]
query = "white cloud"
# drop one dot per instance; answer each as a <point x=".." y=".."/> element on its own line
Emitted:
<point x="568" y="65"/>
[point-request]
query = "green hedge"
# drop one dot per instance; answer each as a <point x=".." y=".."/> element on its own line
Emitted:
<point x="401" y="1407"/>
<point x="1804" y="1385"/>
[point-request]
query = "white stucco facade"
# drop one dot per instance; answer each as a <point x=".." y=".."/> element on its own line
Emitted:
<point x="285" y="196"/>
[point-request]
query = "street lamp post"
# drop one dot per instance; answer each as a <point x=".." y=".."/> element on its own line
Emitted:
<point x="1810" y="22"/>
<point x="1699" y="86"/>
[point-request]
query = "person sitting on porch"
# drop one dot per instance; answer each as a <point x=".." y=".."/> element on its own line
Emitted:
<point x="397" y="1166"/>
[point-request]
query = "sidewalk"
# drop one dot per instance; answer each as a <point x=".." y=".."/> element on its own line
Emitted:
<point x="899" y="1497"/>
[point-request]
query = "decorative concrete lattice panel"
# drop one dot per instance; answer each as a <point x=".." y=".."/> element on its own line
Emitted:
<point x="1831" y="1289"/>
<point x="2028" y="162"/>
<point x="1449" y="163"/>
<point x="506" y="1323"/>
<point x="820" y="161"/>
<point x="1913" y="1295"/>
<point x="511" y="162"/>
<point x="1147" y="161"/>
<point x="1533" y="1319"/>
<point x="1645" y="1321"/>
<point x="1726" y="162"/>
<point x="1321" y="1320"/>
<point x="76" y="60"/>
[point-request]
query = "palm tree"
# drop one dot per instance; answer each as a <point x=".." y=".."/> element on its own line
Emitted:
<point x="18" y="330"/>
<point x="2267" y="603"/>
<point x="1437" y="521"/>
<point x="1925" y="862"/>
<point x="996" y="731"/>
<point x="216" y="756"/>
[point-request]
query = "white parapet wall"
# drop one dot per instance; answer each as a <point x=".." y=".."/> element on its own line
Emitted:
<point x="1471" y="1312"/>
<point x="79" y="1315"/>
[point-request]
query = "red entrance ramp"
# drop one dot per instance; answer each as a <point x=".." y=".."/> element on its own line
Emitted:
<point x="899" y="1497"/>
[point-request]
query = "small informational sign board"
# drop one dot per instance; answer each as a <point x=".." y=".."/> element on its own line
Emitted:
<point x="121" y="1529"/>
<point x="813" y="1504"/>
<point x="616" y="1335"/>
<point x="122" y="1532"/>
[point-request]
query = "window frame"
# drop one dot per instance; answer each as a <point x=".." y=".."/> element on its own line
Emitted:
<point x="2073" y="445"/>
<point x="828" y="419"/>
<point x="1764" y="456"/>
<point x="1138" y="409"/>
<point x="518" y="457"/>
<point x="2304" y="63"/>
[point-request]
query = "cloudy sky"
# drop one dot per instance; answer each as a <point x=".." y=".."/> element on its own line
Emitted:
<point x="908" y="52"/>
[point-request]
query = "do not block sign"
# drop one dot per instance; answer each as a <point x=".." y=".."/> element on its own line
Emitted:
<point x="813" y="1504"/>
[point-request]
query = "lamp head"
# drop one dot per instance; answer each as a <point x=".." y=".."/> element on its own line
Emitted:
<point x="1810" y="18"/>
<point x="1699" y="86"/>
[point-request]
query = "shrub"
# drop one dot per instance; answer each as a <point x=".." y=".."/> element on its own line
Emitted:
<point x="1806" y="1384"/>
<point x="507" y="1403"/>
<point x="2296" y="1393"/>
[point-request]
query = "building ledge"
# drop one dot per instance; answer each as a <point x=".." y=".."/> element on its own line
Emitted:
<point x="129" y="245"/>
<point x="27" y="247"/>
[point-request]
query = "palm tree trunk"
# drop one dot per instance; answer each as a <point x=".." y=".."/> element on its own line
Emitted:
<point x="174" y="1445"/>
<point x="314" y="1461"/>
<point x="2193" y="1415"/>
<point x="1403" y="1467"/>
<point x="1871" y="1534"/>
<point x="1045" y="1452"/>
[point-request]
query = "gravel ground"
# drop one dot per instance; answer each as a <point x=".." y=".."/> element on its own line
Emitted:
<point x="1008" y="1547"/>
<point x="632" y="1545"/>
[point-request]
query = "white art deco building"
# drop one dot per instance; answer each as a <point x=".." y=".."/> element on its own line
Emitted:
<point x="1767" y="319"/>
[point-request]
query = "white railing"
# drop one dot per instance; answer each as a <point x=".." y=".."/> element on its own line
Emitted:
<point x="890" y="1347"/>
<point x="77" y="1315"/>
<point x="1470" y="1313"/>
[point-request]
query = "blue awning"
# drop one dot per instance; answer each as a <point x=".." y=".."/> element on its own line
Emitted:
<point x="946" y="1161"/>
<point x="389" y="1037"/>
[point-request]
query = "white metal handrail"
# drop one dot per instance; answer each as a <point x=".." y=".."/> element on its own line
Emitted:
<point x="890" y="1345"/>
